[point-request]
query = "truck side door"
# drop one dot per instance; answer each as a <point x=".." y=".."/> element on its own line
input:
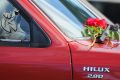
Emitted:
<point x="27" y="52"/>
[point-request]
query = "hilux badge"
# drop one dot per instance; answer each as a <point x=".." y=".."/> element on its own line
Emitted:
<point x="96" y="69"/>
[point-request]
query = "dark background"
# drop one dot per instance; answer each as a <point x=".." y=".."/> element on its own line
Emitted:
<point x="111" y="10"/>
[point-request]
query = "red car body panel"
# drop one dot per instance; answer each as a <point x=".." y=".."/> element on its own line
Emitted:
<point x="64" y="59"/>
<point x="98" y="56"/>
<point x="35" y="64"/>
<point x="52" y="63"/>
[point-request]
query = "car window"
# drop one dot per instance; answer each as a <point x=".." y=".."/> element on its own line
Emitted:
<point x="18" y="28"/>
<point x="13" y="27"/>
<point x="68" y="15"/>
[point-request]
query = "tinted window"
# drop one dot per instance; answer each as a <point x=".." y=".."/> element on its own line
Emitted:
<point x="17" y="28"/>
<point x="13" y="27"/>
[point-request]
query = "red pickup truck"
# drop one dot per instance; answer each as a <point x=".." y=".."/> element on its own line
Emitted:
<point x="41" y="40"/>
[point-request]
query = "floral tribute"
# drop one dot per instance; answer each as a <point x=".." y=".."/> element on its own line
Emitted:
<point x="95" y="27"/>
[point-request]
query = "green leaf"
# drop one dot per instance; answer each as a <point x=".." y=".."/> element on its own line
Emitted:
<point x="85" y="32"/>
<point x="116" y="35"/>
<point x="100" y="31"/>
<point x="110" y="34"/>
<point x="82" y="32"/>
<point x="88" y="31"/>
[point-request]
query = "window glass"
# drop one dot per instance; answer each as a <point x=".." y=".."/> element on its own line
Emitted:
<point x="68" y="15"/>
<point x="12" y="25"/>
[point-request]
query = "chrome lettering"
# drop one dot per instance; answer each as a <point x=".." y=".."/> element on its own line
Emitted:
<point x="96" y="69"/>
<point x="97" y="76"/>
<point x="100" y="69"/>
<point x="107" y="70"/>
<point x="86" y="69"/>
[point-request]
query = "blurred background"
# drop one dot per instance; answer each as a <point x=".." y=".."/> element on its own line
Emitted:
<point x="110" y="8"/>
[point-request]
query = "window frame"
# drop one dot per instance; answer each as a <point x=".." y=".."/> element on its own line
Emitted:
<point x="30" y="21"/>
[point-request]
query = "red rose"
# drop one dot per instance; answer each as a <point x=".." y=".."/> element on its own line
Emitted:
<point x="96" y="22"/>
<point x="102" y="23"/>
<point x="90" y="22"/>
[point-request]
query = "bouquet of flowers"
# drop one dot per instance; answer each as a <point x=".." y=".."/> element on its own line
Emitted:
<point x="95" y="27"/>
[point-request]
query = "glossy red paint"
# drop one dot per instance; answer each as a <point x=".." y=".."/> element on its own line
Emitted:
<point x="64" y="59"/>
<point x="51" y="63"/>
<point x="98" y="56"/>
